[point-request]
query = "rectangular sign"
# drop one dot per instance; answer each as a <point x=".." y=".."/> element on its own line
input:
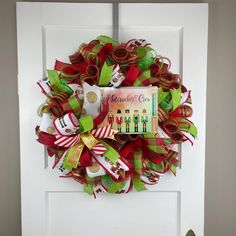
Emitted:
<point x="131" y="109"/>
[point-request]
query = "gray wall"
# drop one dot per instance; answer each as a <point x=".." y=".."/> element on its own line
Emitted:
<point x="220" y="207"/>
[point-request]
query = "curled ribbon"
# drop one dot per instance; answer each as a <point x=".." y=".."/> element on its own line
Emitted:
<point x="91" y="75"/>
<point x="123" y="56"/>
<point x="120" y="54"/>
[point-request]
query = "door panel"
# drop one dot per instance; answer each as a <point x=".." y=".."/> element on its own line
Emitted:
<point x="61" y="41"/>
<point x="111" y="215"/>
<point x="56" y="207"/>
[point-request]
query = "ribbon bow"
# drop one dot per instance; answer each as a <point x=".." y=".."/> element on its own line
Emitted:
<point x="89" y="139"/>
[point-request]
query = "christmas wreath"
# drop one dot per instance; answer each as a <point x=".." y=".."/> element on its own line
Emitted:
<point x="114" y="115"/>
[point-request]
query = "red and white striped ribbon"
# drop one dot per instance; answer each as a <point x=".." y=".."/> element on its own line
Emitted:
<point x="66" y="141"/>
<point x="103" y="132"/>
<point x="151" y="179"/>
<point x="117" y="76"/>
<point x="135" y="43"/>
<point x="45" y="86"/>
<point x="186" y="98"/>
<point x="99" y="149"/>
<point x="111" y="168"/>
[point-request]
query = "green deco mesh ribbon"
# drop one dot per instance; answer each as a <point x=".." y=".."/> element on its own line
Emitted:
<point x="106" y="39"/>
<point x="58" y="84"/>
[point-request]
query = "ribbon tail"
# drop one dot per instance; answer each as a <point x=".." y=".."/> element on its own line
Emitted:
<point x="103" y="132"/>
<point x="99" y="149"/>
<point x="73" y="155"/>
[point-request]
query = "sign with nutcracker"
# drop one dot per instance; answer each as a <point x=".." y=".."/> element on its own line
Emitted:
<point x="131" y="109"/>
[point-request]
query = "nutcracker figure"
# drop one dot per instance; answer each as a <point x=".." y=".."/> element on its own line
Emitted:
<point x="136" y="120"/>
<point x="110" y="118"/>
<point x="127" y="120"/>
<point x="144" y="120"/>
<point x="119" y="120"/>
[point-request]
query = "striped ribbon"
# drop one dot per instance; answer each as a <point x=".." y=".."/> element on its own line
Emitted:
<point x="57" y="98"/>
<point x="117" y="76"/>
<point x="103" y="132"/>
<point x="137" y="43"/>
<point x="66" y="141"/>
<point x="98" y="148"/>
<point x="162" y="115"/>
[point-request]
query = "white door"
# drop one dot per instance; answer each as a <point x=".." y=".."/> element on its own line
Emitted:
<point x="58" y="207"/>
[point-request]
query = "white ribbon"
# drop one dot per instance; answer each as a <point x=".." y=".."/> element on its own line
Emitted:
<point x="92" y="100"/>
<point x="67" y="124"/>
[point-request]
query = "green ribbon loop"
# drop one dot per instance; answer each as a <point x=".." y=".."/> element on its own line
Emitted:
<point x="151" y="143"/>
<point x="157" y="149"/>
<point x="138" y="164"/>
<point x="57" y="84"/>
<point x="173" y="169"/>
<point x="86" y="124"/>
<point x="149" y="135"/>
<point x="75" y="104"/>
<point x="66" y="88"/>
<point x="111" y="185"/>
<point x="143" y="51"/>
<point x="106" y="39"/>
<point x="66" y="165"/>
<point x="176" y="97"/>
<point x="145" y="75"/>
<point x="105" y="75"/>
<point x="161" y="95"/>
<point x="115" y="187"/>
<point x="138" y="184"/>
<point x="145" y="56"/>
<point x="165" y="103"/>
<point x="189" y="128"/>
<point x="153" y="166"/>
<point x="88" y="188"/>
<point x="110" y="153"/>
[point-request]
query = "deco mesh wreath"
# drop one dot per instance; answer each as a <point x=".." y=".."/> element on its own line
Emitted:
<point x="114" y="115"/>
